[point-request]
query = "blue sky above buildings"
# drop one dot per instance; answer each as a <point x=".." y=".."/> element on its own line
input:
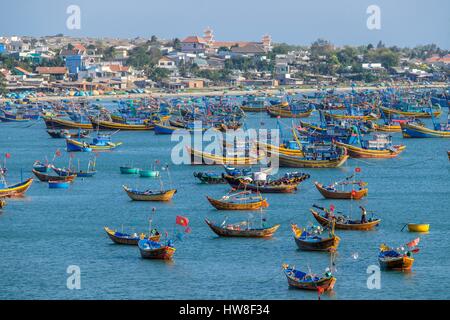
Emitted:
<point x="403" y="22"/>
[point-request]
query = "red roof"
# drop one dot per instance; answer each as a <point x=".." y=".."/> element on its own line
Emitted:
<point x="22" y="70"/>
<point x="118" y="68"/>
<point x="51" y="70"/>
<point x="194" y="39"/>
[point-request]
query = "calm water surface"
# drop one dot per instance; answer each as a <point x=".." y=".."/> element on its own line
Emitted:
<point x="41" y="235"/>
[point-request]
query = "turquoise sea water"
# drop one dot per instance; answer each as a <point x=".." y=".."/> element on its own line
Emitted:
<point x="48" y="230"/>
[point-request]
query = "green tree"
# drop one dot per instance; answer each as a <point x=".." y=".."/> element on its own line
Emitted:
<point x="158" y="74"/>
<point x="3" y="89"/>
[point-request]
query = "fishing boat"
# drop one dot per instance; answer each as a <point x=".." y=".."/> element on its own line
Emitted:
<point x="55" y="123"/>
<point x="149" y="195"/>
<point x="242" y="229"/>
<point x="209" y="177"/>
<point x="156" y="250"/>
<point x="419" y="113"/>
<point x="58" y="184"/>
<point x="332" y="191"/>
<point x="110" y="125"/>
<point x="394" y="259"/>
<point x="290" y="150"/>
<point x="412" y="130"/>
<point x="2" y="203"/>
<point x="64" y="134"/>
<point x="201" y="157"/>
<point x="301" y="280"/>
<point x="311" y="239"/>
<point x="15" y="190"/>
<point x="16" y="118"/>
<point x="286" y="112"/>
<point x="161" y="128"/>
<point x="418" y="227"/>
<point x="148" y="173"/>
<point x="130" y="239"/>
<point x="100" y="143"/>
<point x="41" y="167"/>
<point x="342" y="222"/>
<point x="128" y="170"/>
<point x="329" y="116"/>
<point x="46" y="178"/>
<point x="379" y="147"/>
<point x="285" y="184"/>
<point x="315" y="156"/>
<point x="239" y="201"/>
<point x="254" y="104"/>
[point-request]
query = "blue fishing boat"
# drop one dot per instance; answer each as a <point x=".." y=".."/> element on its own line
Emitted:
<point x="100" y="143"/>
<point x="58" y="184"/>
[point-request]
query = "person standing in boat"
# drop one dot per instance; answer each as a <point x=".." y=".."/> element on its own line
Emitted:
<point x="363" y="214"/>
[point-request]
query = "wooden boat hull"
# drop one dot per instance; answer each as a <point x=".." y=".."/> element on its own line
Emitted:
<point x="275" y="111"/>
<point x="128" y="241"/>
<point x="402" y="263"/>
<point x="410" y="130"/>
<point x="357" y="195"/>
<point x="110" y="125"/>
<point x="277" y="149"/>
<point x="16" y="190"/>
<point x="298" y="162"/>
<point x="200" y="157"/>
<point x="342" y="226"/>
<point x="46" y="178"/>
<point x="388" y="128"/>
<point x="53" y="123"/>
<point x="327" y="244"/>
<point x="326" y="284"/>
<point x="235" y="182"/>
<point x="75" y="145"/>
<point x="357" y="152"/>
<point x="204" y="178"/>
<point x="418" y="227"/>
<point x="6" y="119"/>
<point x="222" y="205"/>
<point x="253" y="233"/>
<point x="253" y="109"/>
<point x="390" y="111"/>
<point x="148" y="173"/>
<point x="162" y="196"/>
<point x="163" y="253"/>
<point x="348" y="117"/>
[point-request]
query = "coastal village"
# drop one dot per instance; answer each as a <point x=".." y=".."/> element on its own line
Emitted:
<point x="62" y="65"/>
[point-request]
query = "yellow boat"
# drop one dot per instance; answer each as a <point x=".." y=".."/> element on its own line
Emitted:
<point x="349" y="117"/>
<point x="388" y="128"/>
<point x="200" y="157"/>
<point x="284" y="112"/>
<point x="110" y="125"/>
<point x="418" y="227"/>
<point x="390" y="111"/>
<point x="16" y="190"/>
<point x="280" y="149"/>
<point x="54" y="123"/>
<point x="358" y="152"/>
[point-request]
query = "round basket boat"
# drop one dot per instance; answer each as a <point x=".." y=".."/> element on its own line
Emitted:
<point x="418" y="227"/>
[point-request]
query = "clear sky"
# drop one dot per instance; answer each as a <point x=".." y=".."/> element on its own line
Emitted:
<point x="403" y="22"/>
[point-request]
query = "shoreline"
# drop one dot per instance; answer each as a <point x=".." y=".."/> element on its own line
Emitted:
<point x="219" y="92"/>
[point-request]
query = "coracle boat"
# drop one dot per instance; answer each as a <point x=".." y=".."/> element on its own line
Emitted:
<point x="64" y="134"/>
<point x="284" y="184"/>
<point x="15" y="190"/>
<point x="201" y="157"/>
<point x="148" y="173"/>
<point x="110" y="125"/>
<point x="148" y="195"/>
<point x="156" y="250"/>
<point x="242" y="230"/>
<point x="380" y="147"/>
<point x="239" y="201"/>
<point x="412" y="130"/>
<point x="418" y="227"/>
<point x="54" y="123"/>
<point x="46" y="178"/>
<point x="130" y="239"/>
<point x="331" y="192"/>
<point x="128" y="170"/>
<point x="311" y="239"/>
<point x="301" y="280"/>
<point x="392" y="259"/>
<point x="343" y="223"/>
<point x="209" y="178"/>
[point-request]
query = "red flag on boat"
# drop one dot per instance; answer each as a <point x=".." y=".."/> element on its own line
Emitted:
<point x="331" y="207"/>
<point x="320" y="291"/>
<point x="7" y="155"/>
<point x="413" y="243"/>
<point x="358" y="169"/>
<point x="353" y="193"/>
<point x="182" y="221"/>
<point x="58" y="153"/>
<point x="188" y="230"/>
